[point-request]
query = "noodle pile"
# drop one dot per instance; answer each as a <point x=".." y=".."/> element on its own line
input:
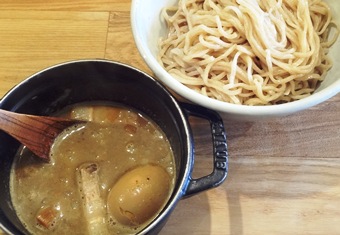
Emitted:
<point x="247" y="51"/>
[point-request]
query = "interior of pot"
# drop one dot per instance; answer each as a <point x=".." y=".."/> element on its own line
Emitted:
<point x="51" y="90"/>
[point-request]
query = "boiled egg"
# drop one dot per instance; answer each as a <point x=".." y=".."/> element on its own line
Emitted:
<point x="139" y="194"/>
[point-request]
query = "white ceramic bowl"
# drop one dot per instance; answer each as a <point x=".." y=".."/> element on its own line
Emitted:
<point x="148" y="27"/>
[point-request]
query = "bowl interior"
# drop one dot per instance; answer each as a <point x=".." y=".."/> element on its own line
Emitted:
<point x="148" y="27"/>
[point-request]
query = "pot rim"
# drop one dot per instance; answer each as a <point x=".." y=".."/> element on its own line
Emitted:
<point x="181" y="183"/>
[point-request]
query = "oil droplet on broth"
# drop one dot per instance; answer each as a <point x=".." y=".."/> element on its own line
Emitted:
<point x="130" y="147"/>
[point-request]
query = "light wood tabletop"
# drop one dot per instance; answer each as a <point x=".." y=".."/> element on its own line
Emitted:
<point x="284" y="173"/>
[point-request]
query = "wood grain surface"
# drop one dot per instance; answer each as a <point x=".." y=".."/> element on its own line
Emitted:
<point x="284" y="173"/>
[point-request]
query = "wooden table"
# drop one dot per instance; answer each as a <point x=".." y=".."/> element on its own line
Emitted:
<point x="284" y="174"/>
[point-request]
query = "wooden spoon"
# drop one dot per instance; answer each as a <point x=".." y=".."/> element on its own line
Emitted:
<point x="37" y="133"/>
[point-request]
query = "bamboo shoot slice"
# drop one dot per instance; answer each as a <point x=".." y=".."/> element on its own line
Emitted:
<point x="94" y="206"/>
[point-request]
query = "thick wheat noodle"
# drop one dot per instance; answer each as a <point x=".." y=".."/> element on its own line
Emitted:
<point x="247" y="51"/>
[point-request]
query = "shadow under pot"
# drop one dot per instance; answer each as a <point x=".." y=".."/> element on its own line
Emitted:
<point x="51" y="90"/>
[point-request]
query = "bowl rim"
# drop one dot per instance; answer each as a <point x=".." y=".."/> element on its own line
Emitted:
<point x="245" y="110"/>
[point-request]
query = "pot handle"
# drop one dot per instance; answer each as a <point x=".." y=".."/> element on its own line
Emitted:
<point x="220" y="152"/>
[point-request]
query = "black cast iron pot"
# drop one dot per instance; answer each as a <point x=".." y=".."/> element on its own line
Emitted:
<point x="52" y="89"/>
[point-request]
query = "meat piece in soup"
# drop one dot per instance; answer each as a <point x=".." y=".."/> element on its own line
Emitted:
<point x="79" y="191"/>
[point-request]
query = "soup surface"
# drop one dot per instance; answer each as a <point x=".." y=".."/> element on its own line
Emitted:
<point x="112" y="175"/>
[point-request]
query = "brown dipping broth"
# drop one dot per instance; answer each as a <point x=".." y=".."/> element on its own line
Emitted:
<point x="50" y="198"/>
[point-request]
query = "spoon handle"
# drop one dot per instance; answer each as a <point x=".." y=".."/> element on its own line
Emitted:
<point x="36" y="132"/>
